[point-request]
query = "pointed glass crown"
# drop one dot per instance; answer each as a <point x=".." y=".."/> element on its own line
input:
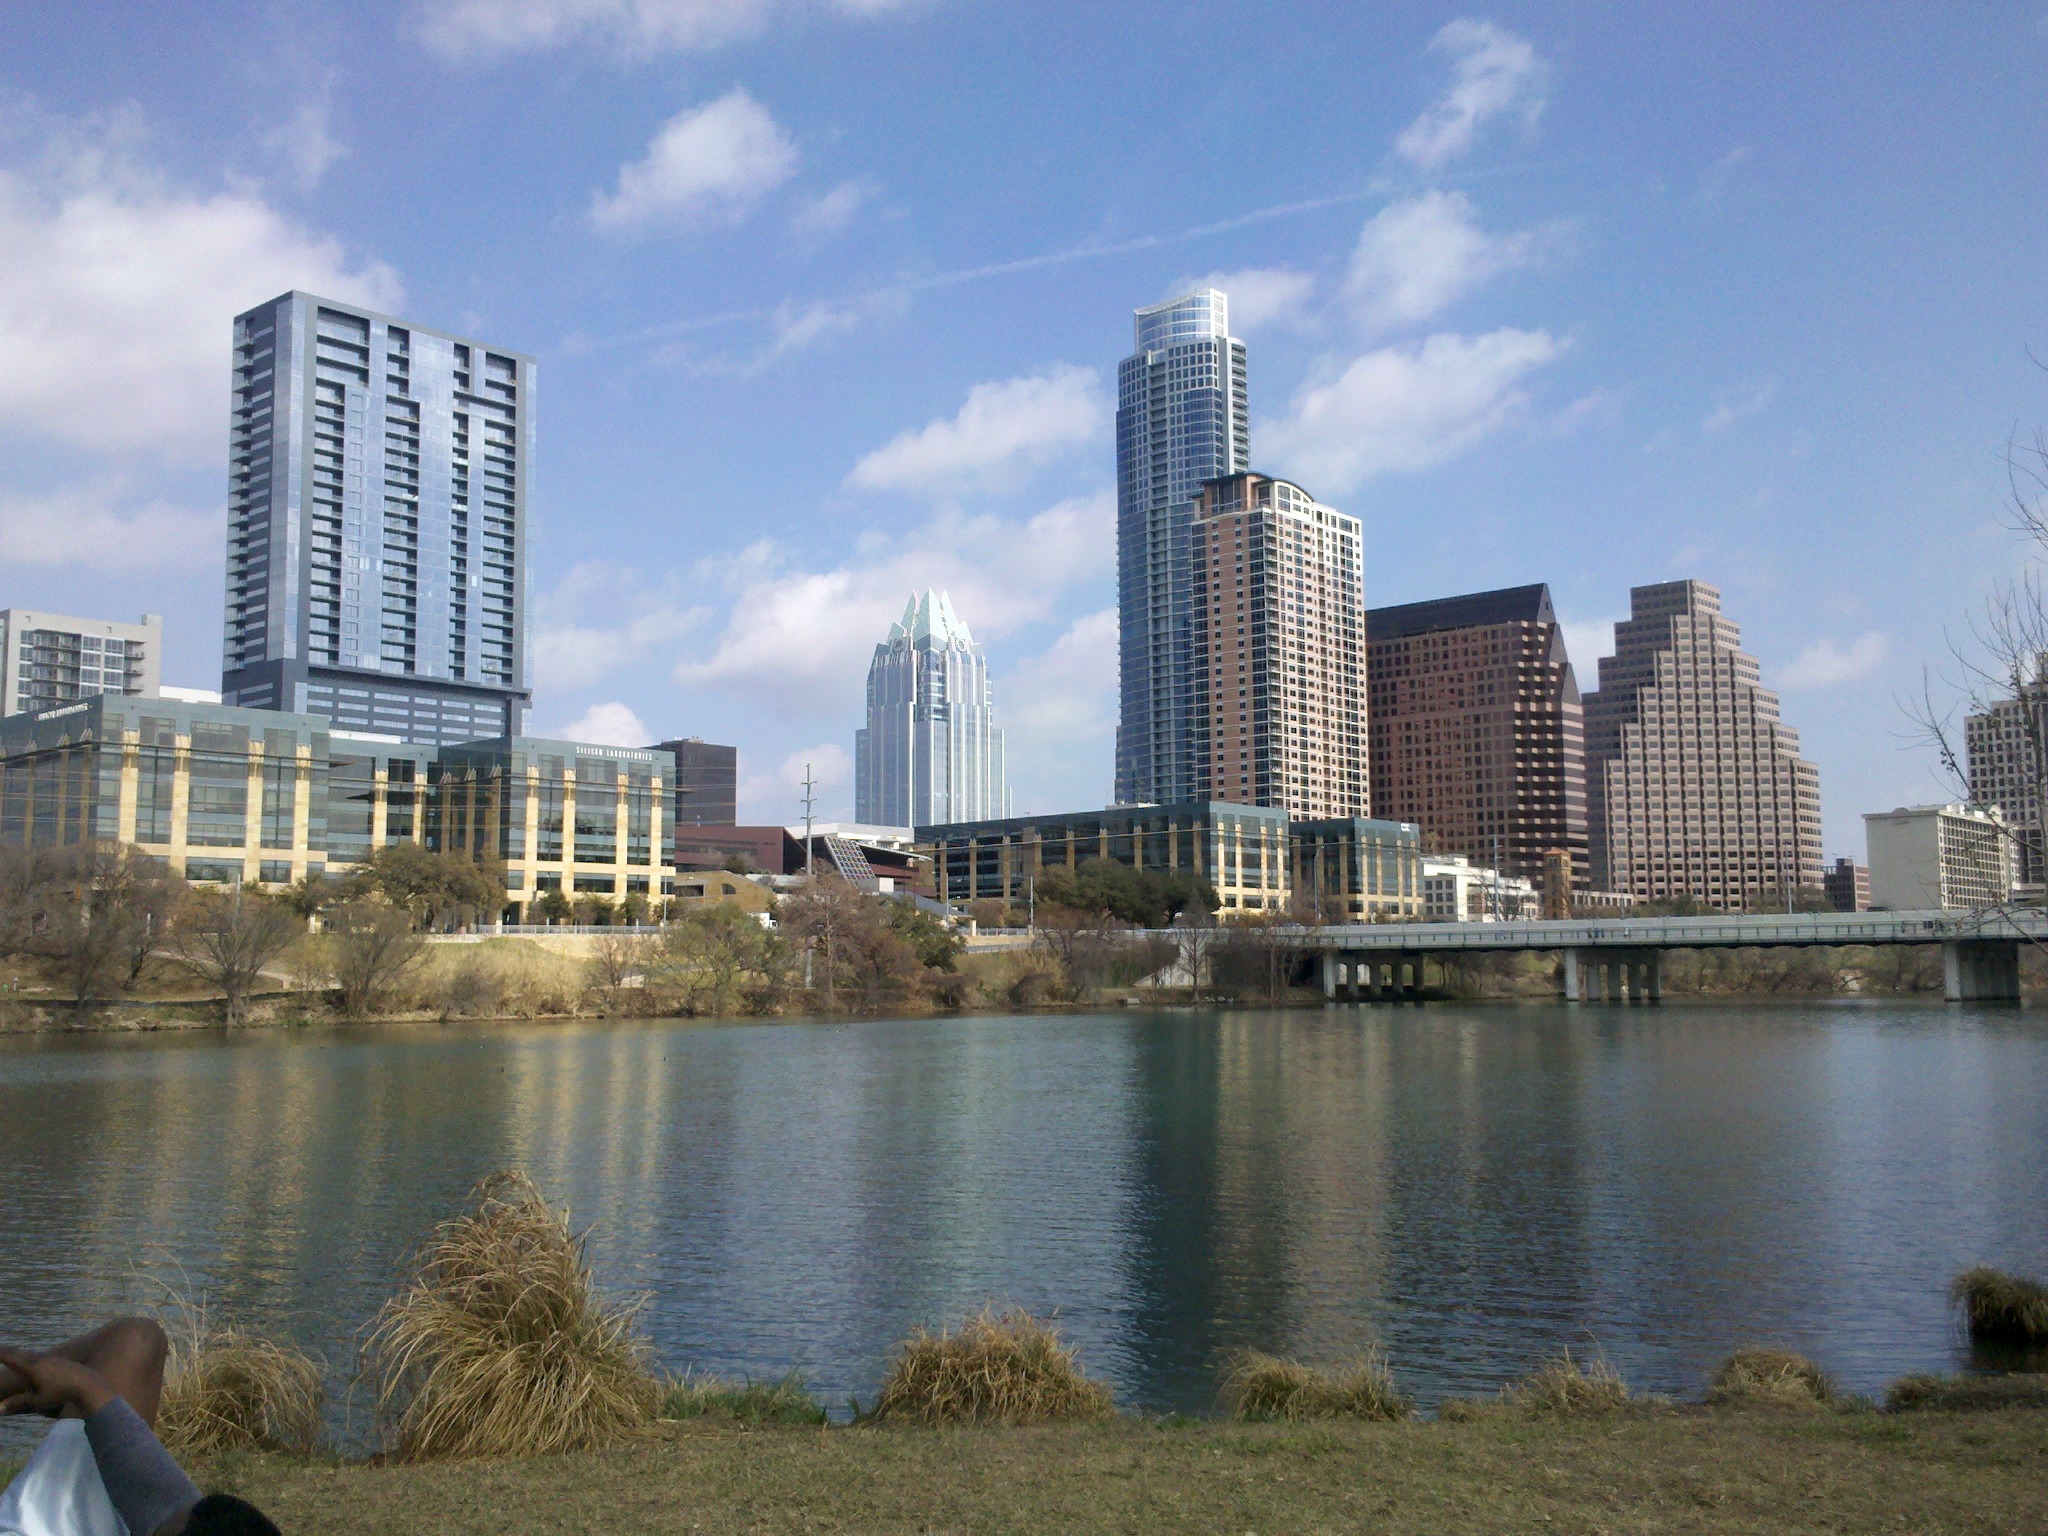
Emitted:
<point x="930" y="618"/>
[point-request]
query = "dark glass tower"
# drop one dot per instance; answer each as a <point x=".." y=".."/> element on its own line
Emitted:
<point x="377" y="485"/>
<point x="1180" y="420"/>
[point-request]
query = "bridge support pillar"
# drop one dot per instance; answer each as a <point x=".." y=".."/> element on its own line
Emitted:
<point x="1981" y="970"/>
<point x="1329" y="968"/>
<point x="1574" y="984"/>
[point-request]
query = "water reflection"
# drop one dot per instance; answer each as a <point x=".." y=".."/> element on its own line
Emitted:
<point x="1474" y="1188"/>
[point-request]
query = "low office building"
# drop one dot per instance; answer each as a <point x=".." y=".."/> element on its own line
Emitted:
<point x="1355" y="870"/>
<point x="1934" y="858"/>
<point x="1241" y="850"/>
<point x="261" y="797"/>
<point x="1455" y="890"/>
<point x="48" y="660"/>
<point x="1846" y="884"/>
<point x="706" y="782"/>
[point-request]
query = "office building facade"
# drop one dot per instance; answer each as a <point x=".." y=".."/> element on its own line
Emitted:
<point x="1279" y="641"/>
<point x="2007" y="752"/>
<point x="48" y="660"/>
<point x="1694" y="785"/>
<point x="931" y="751"/>
<point x="1354" y="869"/>
<point x="706" y="782"/>
<point x="1936" y="858"/>
<point x="1476" y="728"/>
<point x="377" y="523"/>
<point x="1181" y="419"/>
<point x="263" y="797"/>
<point x="1847" y="886"/>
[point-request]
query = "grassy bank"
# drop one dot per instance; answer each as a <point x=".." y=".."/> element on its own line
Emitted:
<point x="1670" y="1472"/>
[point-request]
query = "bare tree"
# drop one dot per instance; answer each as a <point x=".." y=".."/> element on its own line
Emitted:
<point x="370" y="949"/>
<point x="110" y="908"/>
<point x="227" y="941"/>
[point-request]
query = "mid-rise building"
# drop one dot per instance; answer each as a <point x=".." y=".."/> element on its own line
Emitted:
<point x="1476" y="729"/>
<point x="1935" y="858"/>
<point x="1455" y="890"/>
<point x="1847" y="886"/>
<point x="2007" y="751"/>
<point x="1241" y="850"/>
<point x="931" y="751"/>
<point x="377" y="523"/>
<point x="51" y="659"/>
<point x="1181" y="419"/>
<point x="707" y="782"/>
<point x="1279" y="650"/>
<point x="1694" y="785"/>
<point x="265" y="797"/>
<point x="1355" y="869"/>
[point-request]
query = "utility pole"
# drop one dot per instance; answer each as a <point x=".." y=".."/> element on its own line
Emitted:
<point x="810" y="805"/>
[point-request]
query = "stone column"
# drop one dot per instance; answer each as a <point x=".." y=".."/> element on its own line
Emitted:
<point x="1981" y="970"/>
<point x="1571" y="976"/>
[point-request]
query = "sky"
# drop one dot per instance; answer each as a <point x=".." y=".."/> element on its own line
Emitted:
<point x="828" y="298"/>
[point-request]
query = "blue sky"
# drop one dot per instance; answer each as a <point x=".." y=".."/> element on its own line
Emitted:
<point x="829" y="296"/>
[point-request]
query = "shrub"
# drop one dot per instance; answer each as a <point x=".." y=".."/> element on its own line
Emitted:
<point x="787" y="1401"/>
<point x="471" y="989"/>
<point x="2002" y="1309"/>
<point x="999" y="1368"/>
<point x="1772" y="1378"/>
<point x="500" y="1346"/>
<point x="230" y="1391"/>
<point x="1967" y="1393"/>
<point x="1260" y="1386"/>
<point x="1563" y="1387"/>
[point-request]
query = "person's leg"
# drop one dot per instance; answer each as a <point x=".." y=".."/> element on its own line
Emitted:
<point x="129" y="1353"/>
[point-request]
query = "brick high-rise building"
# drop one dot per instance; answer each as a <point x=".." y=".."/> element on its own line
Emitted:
<point x="1476" y="732"/>
<point x="1279" y="639"/>
<point x="1694" y="786"/>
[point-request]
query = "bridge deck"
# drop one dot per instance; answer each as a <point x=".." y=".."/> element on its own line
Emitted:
<point x="1729" y="931"/>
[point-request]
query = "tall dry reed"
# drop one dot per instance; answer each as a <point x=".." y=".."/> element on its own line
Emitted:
<point x="2002" y="1309"/>
<point x="1560" y="1388"/>
<point x="1761" y="1377"/>
<point x="501" y="1346"/>
<point x="225" y="1390"/>
<point x="998" y="1368"/>
<point x="1260" y="1386"/>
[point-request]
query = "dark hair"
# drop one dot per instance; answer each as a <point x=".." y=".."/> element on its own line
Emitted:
<point x="222" y="1514"/>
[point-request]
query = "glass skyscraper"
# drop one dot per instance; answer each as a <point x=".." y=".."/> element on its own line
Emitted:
<point x="931" y="752"/>
<point x="377" y="489"/>
<point x="1180" y="420"/>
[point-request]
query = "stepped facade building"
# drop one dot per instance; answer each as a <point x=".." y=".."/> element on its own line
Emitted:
<point x="1695" y="786"/>
<point x="1181" y="420"/>
<point x="931" y="752"/>
<point x="1477" y="731"/>
<point x="2007" y="748"/>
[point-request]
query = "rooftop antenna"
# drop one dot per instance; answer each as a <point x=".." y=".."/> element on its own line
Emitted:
<point x="810" y="804"/>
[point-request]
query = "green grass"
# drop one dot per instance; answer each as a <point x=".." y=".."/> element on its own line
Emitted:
<point x="786" y="1402"/>
<point x="1666" y="1471"/>
<point x="1967" y="1393"/>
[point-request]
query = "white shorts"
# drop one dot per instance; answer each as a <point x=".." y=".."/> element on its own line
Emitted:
<point x="59" y="1492"/>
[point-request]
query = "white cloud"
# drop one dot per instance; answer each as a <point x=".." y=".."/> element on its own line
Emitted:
<point x="1418" y="256"/>
<point x="1586" y="641"/>
<point x="608" y="725"/>
<point x="1717" y="178"/>
<point x="1058" y="711"/>
<point x="89" y="526"/>
<point x="713" y="162"/>
<point x="1003" y="432"/>
<point x="829" y="213"/>
<point x="1405" y="407"/>
<point x="117" y="292"/>
<point x="1259" y="296"/>
<point x="599" y="619"/>
<point x="776" y="798"/>
<point x="637" y="28"/>
<point x="1827" y="663"/>
<point x="1739" y="404"/>
<point x="799" y="638"/>
<point x="304" y="142"/>
<point x="1492" y="72"/>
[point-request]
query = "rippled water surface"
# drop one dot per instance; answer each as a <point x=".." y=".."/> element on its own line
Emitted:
<point x="1474" y="1187"/>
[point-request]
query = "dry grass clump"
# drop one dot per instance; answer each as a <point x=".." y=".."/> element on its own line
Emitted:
<point x="501" y="1346"/>
<point x="1967" y="1393"/>
<point x="225" y="1390"/>
<point x="1770" y="1378"/>
<point x="2001" y="1308"/>
<point x="999" y="1368"/>
<point x="1259" y="1386"/>
<point x="1562" y="1387"/>
<point x="784" y="1402"/>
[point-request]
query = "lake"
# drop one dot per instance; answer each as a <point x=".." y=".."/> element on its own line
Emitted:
<point x="1474" y="1187"/>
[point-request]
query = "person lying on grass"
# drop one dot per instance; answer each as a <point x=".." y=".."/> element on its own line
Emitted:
<point x="100" y="1470"/>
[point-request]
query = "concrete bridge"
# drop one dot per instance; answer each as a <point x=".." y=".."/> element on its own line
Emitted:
<point x="1618" y="959"/>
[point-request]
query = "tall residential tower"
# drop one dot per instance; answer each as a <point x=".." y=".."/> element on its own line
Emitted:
<point x="377" y="489"/>
<point x="1180" y="420"/>
<point x="931" y="752"/>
